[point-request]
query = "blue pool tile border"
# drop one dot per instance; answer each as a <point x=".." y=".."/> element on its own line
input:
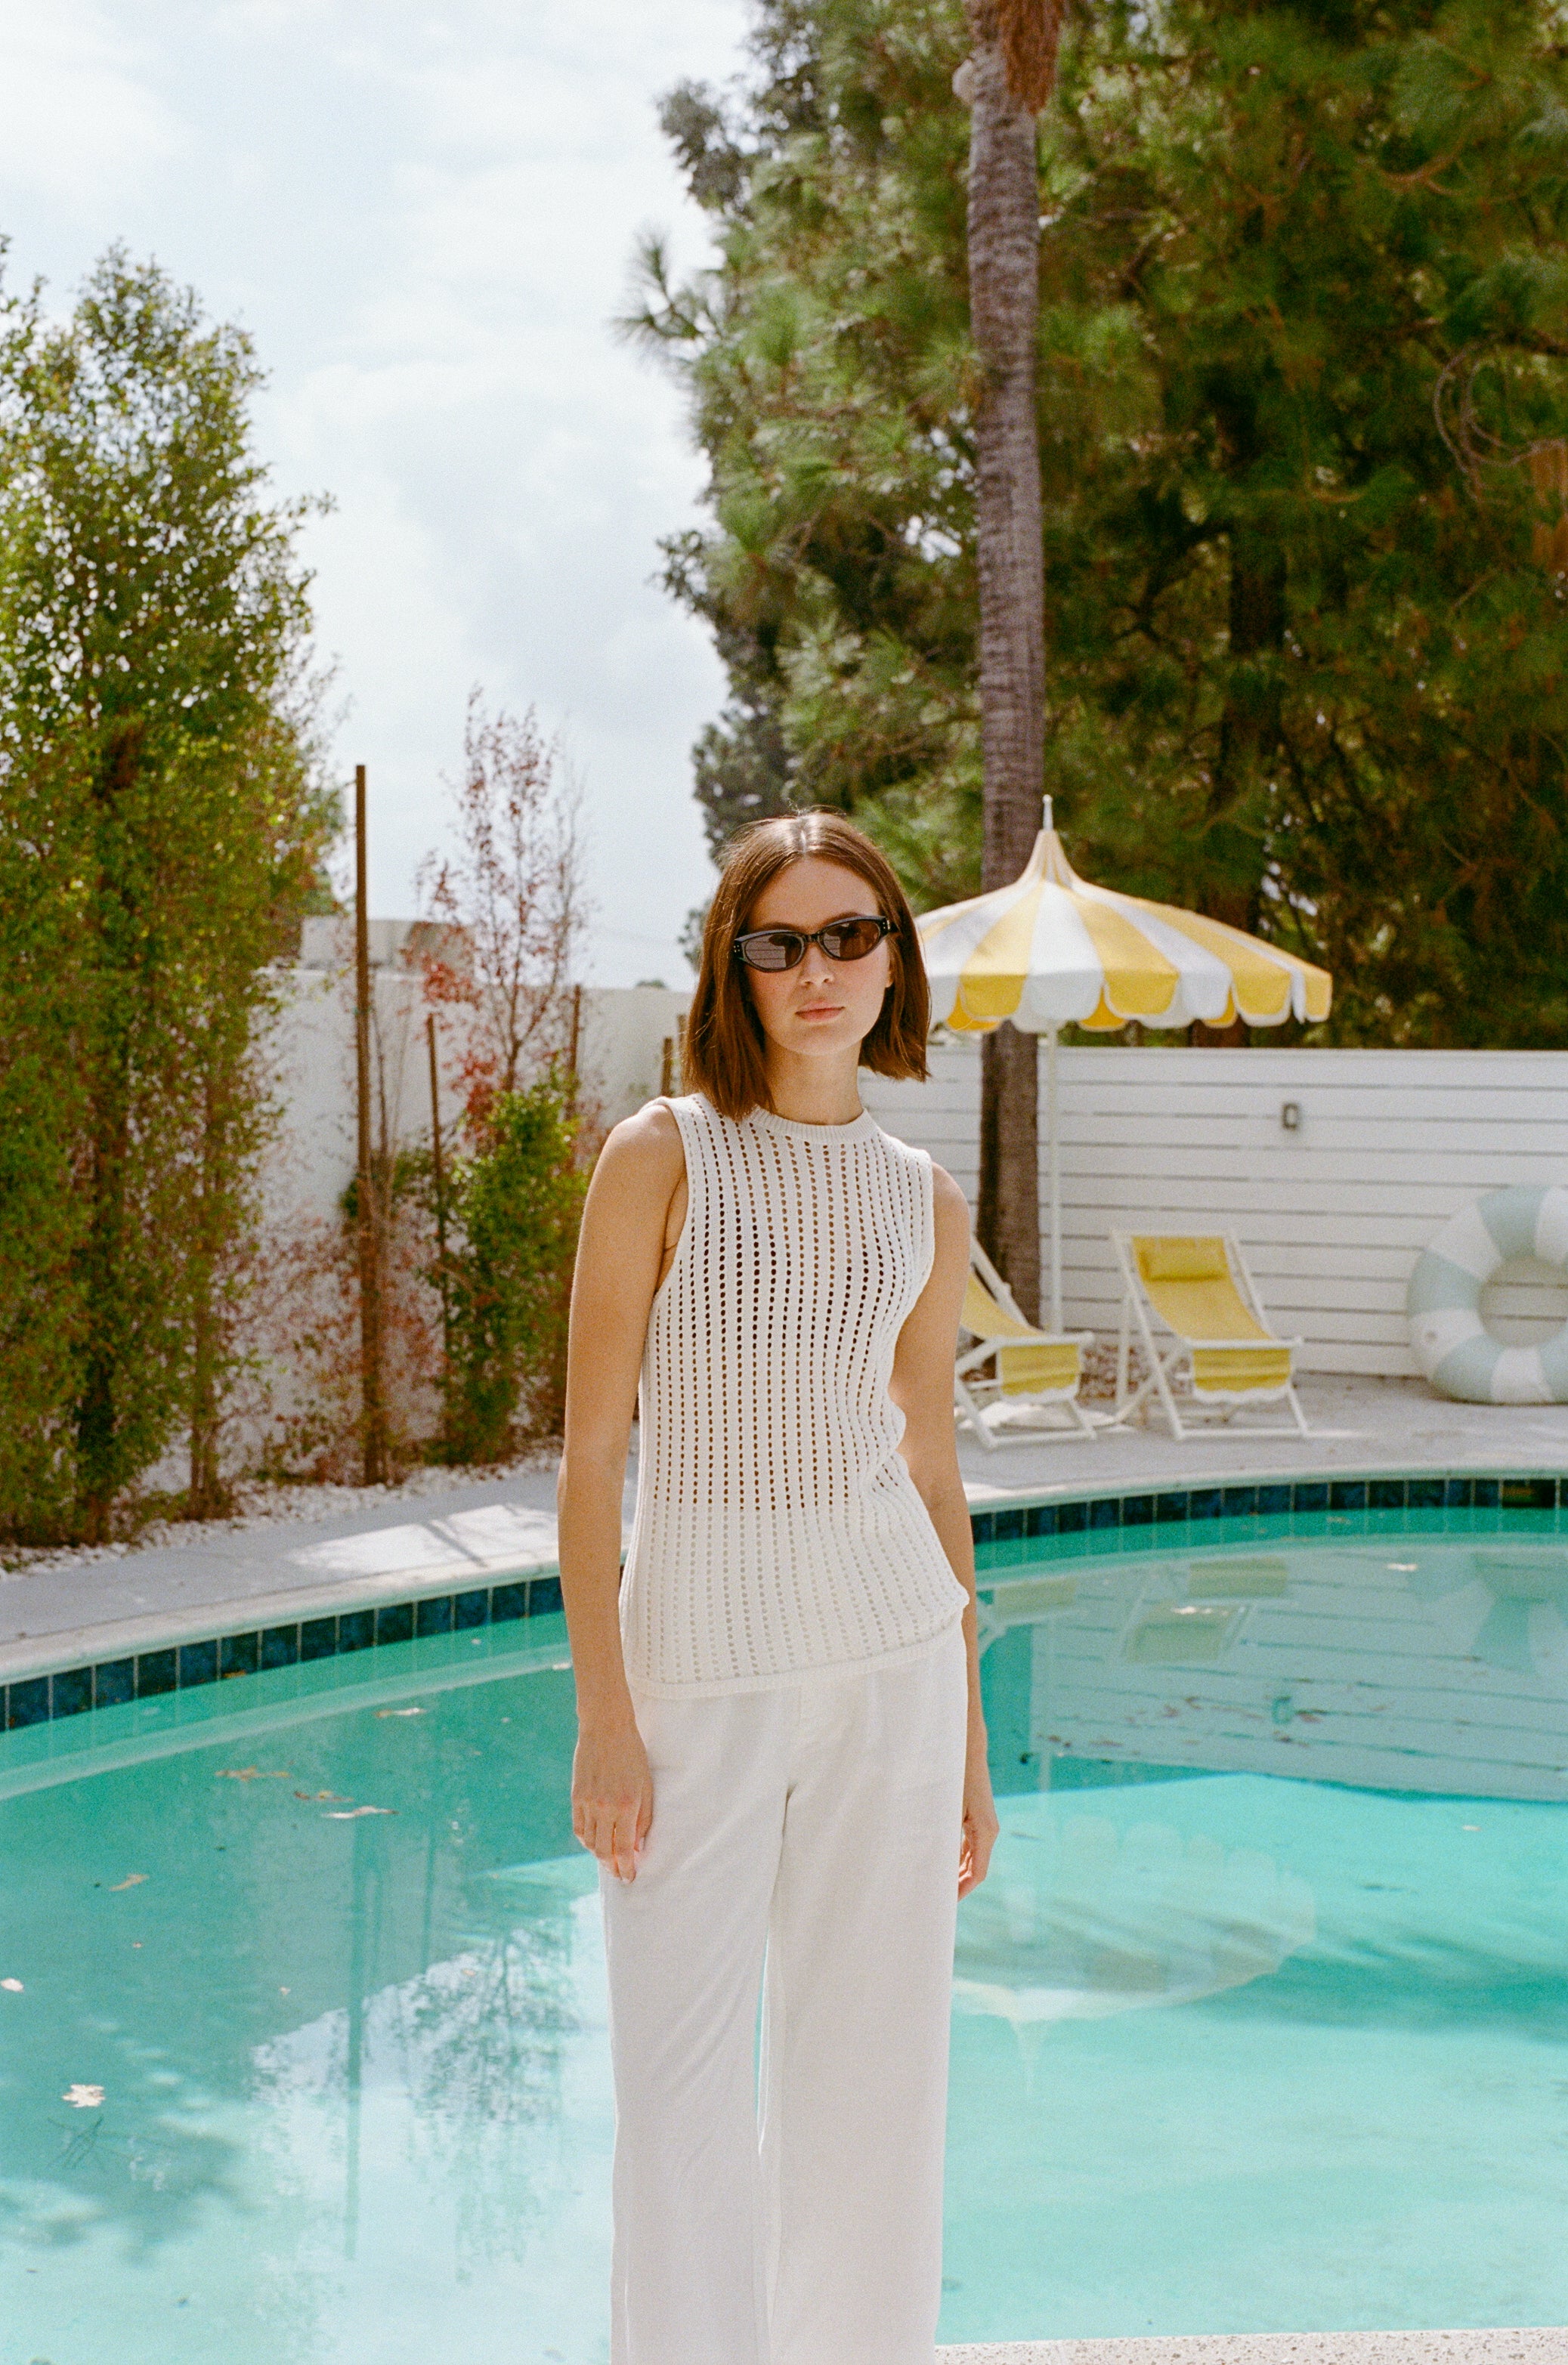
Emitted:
<point x="214" y="1658"/>
<point x="1142" y="1519"/>
<point x="1010" y="1534"/>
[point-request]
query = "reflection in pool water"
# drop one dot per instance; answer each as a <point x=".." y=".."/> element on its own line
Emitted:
<point x="1089" y="1921"/>
<point x="1230" y="2051"/>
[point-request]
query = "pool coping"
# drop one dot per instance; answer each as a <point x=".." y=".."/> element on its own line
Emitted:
<point x="202" y="1650"/>
<point x="159" y="1653"/>
<point x="1040" y="1511"/>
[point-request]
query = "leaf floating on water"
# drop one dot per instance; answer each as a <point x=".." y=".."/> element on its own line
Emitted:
<point x="12" y="1987"/>
<point x="84" y="2097"/>
<point x="313" y="1798"/>
<point x="352" y="1814"/>
<point x="400" y="1711"/>
<point x="252" y="1773"/>
<point x="131" y="1880"/>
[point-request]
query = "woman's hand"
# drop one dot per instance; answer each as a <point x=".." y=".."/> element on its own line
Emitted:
<point x="612" y="1795"/>
<point x="980" y="1826"/>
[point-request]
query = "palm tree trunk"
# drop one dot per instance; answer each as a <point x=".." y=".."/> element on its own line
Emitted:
<point x="1008" y="79"/>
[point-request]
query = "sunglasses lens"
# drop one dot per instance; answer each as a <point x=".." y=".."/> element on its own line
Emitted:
<point x="780" y="949"/>
<point x="777" y="948"/>
<point x="851" y="940"/>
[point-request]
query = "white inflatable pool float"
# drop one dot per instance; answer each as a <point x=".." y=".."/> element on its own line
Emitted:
<point x="1451" y="1343"/>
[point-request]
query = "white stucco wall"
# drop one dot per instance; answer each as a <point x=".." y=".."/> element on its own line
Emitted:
<point x="621" y="1036"/>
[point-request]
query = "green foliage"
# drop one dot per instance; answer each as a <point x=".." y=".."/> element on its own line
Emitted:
<point x="161" y="822"/>
<point x="1309" y="648"/>
<point x="514" y="1209"/>
<point x="40" y="1212"/>
<point x="1303" y="383"/>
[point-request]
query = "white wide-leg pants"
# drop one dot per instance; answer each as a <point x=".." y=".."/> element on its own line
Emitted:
<point x="820" y="1822"/>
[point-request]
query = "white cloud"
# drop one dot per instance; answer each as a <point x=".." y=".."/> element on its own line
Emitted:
<point x="79" y="118"/>
<point x="426" y="217"/>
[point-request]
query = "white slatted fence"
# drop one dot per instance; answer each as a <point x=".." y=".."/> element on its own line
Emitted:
<point x="1331" y="1216"/>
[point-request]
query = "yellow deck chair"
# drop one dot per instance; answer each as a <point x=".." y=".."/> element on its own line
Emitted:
<point x="1028" y="1367"/>
<point x="1200" y="1290"/>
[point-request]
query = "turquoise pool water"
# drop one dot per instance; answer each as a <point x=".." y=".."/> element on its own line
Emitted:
<point x="1261" y="2022"/>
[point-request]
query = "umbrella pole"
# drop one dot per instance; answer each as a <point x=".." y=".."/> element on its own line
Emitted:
<point x="1053" y="1113"/>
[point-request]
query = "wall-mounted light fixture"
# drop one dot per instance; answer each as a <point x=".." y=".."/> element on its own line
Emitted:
<point x="1290" y="1115"/>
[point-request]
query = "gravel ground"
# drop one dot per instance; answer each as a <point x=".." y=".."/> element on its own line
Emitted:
<point x="1098" y="1385"/>
<point x="260" y="1503"/>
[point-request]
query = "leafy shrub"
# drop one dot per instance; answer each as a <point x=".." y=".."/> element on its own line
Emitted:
<point x="513" y="1213"/>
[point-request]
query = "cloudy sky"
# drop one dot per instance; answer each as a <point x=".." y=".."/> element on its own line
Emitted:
<point x="423" y="213"/>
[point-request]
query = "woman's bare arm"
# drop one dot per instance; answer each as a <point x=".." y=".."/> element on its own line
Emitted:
<point x="631" y="1222"/>
<point x="923" y="1389"/>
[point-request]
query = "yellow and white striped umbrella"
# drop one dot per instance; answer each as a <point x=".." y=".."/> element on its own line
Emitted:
<point x="1051" y="951"/>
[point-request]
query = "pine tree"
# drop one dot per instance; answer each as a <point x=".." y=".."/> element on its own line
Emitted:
<point x="1302" y="408"/>
<point x="1309" y="638"/>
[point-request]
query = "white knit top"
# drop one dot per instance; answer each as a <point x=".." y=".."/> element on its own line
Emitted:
<point x="777" y="1530"/>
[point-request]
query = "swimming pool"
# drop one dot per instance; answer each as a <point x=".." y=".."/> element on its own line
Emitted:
<point x="1261" y="2022"/>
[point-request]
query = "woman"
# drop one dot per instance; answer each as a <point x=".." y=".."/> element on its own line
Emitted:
<point x="781" y="1749"/>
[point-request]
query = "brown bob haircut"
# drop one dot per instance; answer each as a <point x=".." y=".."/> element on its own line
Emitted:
<point x="723" y="1054"/>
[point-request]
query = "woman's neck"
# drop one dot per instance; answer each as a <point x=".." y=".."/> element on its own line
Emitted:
<point x="814" y="1092"/>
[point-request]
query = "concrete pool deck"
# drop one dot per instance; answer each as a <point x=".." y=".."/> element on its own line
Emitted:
<point x="430" y="1536"/>
<point x="1545" y="2345"/>
<point x="1359" y="1424"/>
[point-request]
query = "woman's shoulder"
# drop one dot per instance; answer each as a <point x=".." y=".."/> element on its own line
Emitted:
<point x="947" y="1207"/>
<point x="950" y="1214"/>
<point x="951" y="1200"/>
<point x="646" y="1149"/>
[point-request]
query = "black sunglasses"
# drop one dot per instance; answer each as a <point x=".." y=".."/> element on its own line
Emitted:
<point x="842" y="941"/>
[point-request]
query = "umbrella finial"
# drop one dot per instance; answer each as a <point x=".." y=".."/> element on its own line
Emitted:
<point x="1049" y="823"/>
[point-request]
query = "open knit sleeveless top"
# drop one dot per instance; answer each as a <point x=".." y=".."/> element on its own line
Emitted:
<point x="777" y="1530"/>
